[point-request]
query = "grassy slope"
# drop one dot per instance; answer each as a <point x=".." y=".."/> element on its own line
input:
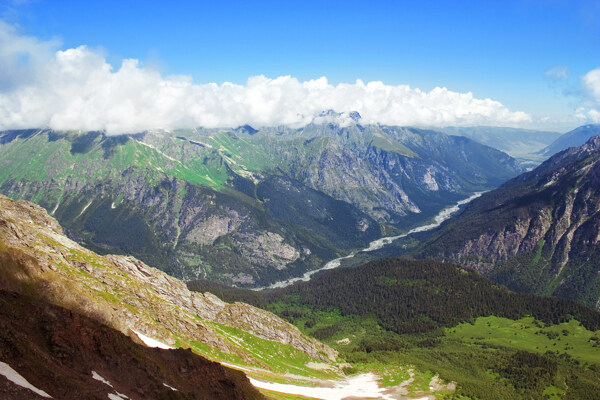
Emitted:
<point x="479" y="356"/>
<point x="490" y="357"/>
<point x="271" y="358"/>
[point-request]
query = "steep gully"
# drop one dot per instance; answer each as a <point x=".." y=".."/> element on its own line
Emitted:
<point x="378" y="244"/>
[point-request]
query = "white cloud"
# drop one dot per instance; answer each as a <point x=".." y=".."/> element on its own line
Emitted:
<point x="78" y="89"/>
<point x="591" y="81"/>
<point x="590" y="109"/>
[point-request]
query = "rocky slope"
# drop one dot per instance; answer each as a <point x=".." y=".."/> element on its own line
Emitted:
<point x="538" y="232"/>
<point x="243" y="206"/>
<point x="574" y="138"/>
<point x="69" y="356"/>
<point x="125" y="294"/>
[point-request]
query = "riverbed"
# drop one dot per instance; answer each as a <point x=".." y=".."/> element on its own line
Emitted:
<point x="379" y="243"/>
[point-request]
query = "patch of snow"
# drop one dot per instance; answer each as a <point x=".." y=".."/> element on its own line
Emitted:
<point x="55" y="208"/>
<point x="97" y="377"/>
<point x="235" y="366"/>
<point x="84" y="208"/>
<point x="117" y="396"/>
<point x="170" y="387"/>
<point x="148" y="341"/>
<point x="201" y="144"/>
<point x="361" y="386"/>
<point x="18" y="379"/>
<point x="112" y="205"/>
<point x="158" y="151"/>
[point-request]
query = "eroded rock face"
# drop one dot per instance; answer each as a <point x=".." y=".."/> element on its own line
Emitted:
<point x="123" y="292"/>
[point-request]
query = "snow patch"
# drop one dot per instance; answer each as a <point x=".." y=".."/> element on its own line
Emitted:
<point x="235" y="366"/>
<point x="170" y="387"/>
<point x="158" y="151"/>
<point x="84" y="208"/>
<point x="55" y="208"/>
<point x="148" y="341"/>
<point x="117" y="396"/>
<point x="17" y="379"/>
<point x="97" y="377"/>
<point x="359" y="386"/>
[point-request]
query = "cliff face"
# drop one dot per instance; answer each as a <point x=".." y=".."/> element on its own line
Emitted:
<point x="124" y="293"/>
<point x="536" y="233"/>
<point x="70" y="356"/>
<point x="241" y="208"/>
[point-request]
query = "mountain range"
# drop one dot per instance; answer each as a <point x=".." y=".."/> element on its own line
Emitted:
<point x="75" y="322"/>
<point x="267" y="204"/>
<point x="245" y="206"/>
<point x="523" y="144"/>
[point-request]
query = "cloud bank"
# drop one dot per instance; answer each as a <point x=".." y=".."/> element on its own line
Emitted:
<point x="42" y="86"/>
<point x="591" y="104"/>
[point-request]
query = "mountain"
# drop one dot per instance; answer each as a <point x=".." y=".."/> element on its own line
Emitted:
<point x="444" y="321"/>
<point x="536" y="233"/>
<point x="522" y="144"/>
<point x="37" y="260"/>
<point x="66" y="355"/>
<point x="398" y="328"/>
<point x="245" y="206"/>
<point x="72" y="315"/>
<point x="574" y="138"/>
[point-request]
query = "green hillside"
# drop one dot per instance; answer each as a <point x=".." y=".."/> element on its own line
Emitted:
<point x="397" y="315"/>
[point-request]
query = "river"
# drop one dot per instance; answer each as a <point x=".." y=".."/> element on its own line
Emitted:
<point x="379" y="243"/>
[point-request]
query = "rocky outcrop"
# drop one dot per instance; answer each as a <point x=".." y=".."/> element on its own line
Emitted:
<point x="123" y="292"/>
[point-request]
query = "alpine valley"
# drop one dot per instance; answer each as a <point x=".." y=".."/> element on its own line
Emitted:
<point x="242" y="206"/>
<point x="95" y="308"/>
<point x="392" y="329"/>
<point x="299" y="200"/>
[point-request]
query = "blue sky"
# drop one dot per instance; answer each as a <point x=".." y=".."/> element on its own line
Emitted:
<point x="501" y="50"/>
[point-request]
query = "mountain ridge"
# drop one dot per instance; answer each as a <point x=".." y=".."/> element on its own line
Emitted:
<point x="535" y="233"/>
<point x="125" y="294"/>
<point x="241" y="208"/>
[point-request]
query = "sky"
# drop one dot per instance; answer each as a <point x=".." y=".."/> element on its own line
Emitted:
<point x="123" y="66"/>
